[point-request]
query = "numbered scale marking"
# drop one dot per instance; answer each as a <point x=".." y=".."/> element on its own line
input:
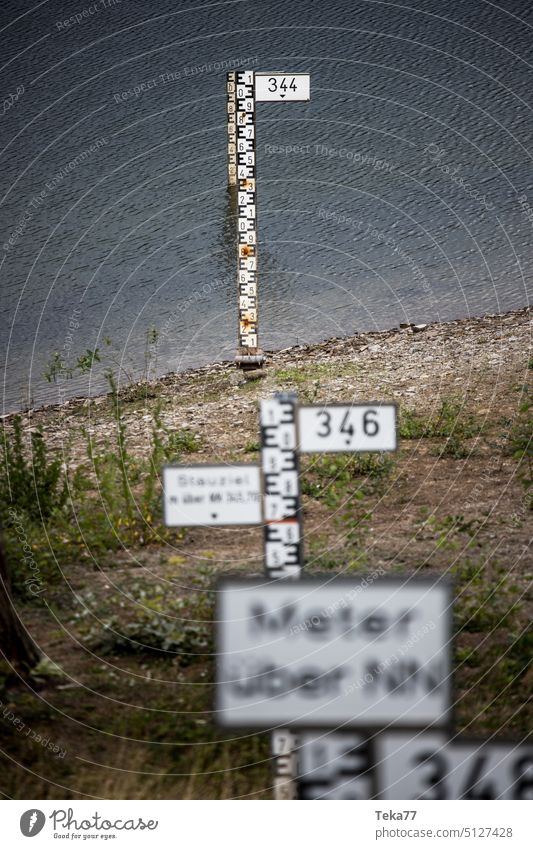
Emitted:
<point x="279" y="461"/>
<point x="283" y="746"/>
<point x="232" y="128"/>
<point x="344" y="427"/>
<point x="334" y="765"/>
<point x="246" y="211"/>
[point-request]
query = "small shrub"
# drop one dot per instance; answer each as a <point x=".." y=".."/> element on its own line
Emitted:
<point x="445" y="530"/>
<point x="252" y="446"/>
<point x="325" y="563"/>
<point x="86" y="361"/>
<point x="55" y="368"/>
<point x="451" y="422"/>
<point x="29" y="480"/>
<point x="485" y="600"/>
<point x="333" y="480"/>
<point x="520" y="652"/>
<point x="182" y="441"/>
<point x="291" y="375"/>
<point x="452" y="447"/>
<point x="148" y="620"/>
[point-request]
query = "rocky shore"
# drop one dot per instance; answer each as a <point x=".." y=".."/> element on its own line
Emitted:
<point x="414" y="365"/>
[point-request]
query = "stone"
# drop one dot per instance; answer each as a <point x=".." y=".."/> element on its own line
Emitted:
<point x="255" y="374"/>
<point x="237" y="378"/>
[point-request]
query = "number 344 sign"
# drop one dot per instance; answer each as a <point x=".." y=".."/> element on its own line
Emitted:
<point x="281" y="87"/>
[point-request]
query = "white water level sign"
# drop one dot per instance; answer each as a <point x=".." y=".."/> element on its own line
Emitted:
<point x="347" y="427"/>
<point x="212" y="495"/>
<point x="281" y="87"/>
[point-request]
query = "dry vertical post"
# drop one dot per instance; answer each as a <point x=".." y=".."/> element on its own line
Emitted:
<point x="248" y="353"/>
<point x="232" y="127"/>
<point x="282" y="540"/>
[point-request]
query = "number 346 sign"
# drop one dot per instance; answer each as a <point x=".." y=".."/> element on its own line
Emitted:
<point x="342" y="427"/>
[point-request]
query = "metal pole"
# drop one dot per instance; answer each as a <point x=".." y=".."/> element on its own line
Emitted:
<point x="282" y="540"/>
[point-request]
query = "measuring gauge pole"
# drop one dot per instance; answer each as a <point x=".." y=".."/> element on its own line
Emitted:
<point x="248" y="354"/>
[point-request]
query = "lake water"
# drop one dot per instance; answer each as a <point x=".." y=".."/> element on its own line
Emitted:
<point x="400" y="192"/>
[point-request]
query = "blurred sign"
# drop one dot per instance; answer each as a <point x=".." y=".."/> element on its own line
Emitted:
<point x="331" y="651"/>
<point x="282" y="87"/>
<point x="348" y="427"/>
<point x="212" y="495"/>
<point x="428" y="766"/>
<point x="334" y="765"/>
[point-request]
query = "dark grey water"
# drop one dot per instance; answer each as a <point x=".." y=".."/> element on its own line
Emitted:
<point x="401" y="192"/>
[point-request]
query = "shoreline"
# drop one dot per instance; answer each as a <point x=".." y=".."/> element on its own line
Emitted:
<point x="333" y="345"/>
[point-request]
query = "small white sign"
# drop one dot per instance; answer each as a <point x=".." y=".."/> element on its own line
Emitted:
<point x="334" y="765"/>
<point x="212" y="495"/>
<point x="331" y="651"/>
<point x="348" y="427"/>
<point x="429" y="766"/>
<point x="281" y="87"/>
